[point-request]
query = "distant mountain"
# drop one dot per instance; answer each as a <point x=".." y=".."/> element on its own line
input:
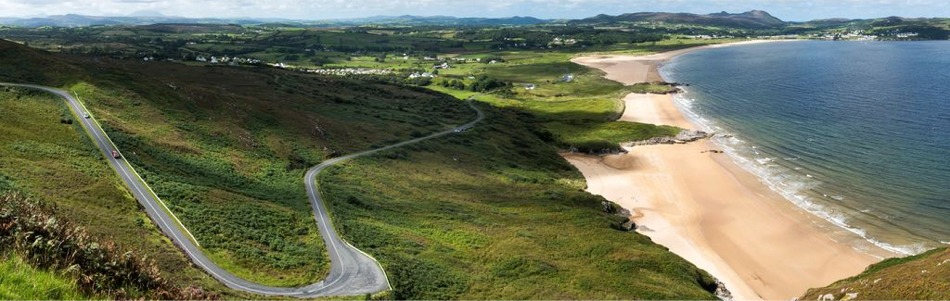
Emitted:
<point x="755" y="19"/>
<point x="935" y="28"/>
<point x="73" y="20"/>
<point x="440" y="20"/>
<point x="147" y="18"/>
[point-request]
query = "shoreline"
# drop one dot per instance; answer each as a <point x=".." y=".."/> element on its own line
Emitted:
<point x="619" y="69"/>
<point x="708" y="209"/>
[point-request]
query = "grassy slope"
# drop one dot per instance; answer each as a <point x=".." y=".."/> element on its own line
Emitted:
<point x="494" y="213"/>
<point x="507" y="220"/>
<point x="920" y="277"/>
<point x="56" y="162"/>
<point x="227" y="149"/>
<point x="20" y="281"/>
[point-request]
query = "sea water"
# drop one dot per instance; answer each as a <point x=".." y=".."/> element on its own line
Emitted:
<point x="857" y="133"/>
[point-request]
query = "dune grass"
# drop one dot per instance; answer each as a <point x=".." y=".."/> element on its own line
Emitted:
<point x="596" y="136"/>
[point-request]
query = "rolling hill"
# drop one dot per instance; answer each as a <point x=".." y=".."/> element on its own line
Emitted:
<point x="755" y="19"/>
<point x="227" y="146"/>
<point x="75" y="20"/>
<point x="492" y="213"/>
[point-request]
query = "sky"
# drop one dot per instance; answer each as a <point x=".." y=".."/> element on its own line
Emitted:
<point x="789" y="10"/>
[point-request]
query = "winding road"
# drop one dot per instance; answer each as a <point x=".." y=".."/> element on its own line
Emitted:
<point x="352" y="272"/>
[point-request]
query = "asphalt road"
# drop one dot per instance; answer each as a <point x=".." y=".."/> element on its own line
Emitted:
<point x="352" y="272"/>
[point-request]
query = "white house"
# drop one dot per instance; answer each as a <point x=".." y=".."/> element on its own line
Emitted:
<point x="424" y="74"/>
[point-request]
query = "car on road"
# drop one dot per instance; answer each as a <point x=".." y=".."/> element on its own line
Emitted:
<point x="85" y="115"/>
<point x="115" y="154"/>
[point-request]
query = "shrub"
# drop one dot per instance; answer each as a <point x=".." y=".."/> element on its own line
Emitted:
<point x="32" y="230"/>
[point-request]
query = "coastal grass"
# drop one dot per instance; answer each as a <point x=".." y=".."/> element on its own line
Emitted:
<point x="495" y="213"/>
<point x="670" y="44"/>
<point x="920" y="277"/>
<point x="21" y="281"/>
<point x="593" y="136"/>
<point x="46" y="158"/>
<point x="653" y="88"/>
<point x="574" y="103"/>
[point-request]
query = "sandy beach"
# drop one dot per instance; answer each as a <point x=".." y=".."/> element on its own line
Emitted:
<point x="630" y="69"/>
<point x="710" y="211"/>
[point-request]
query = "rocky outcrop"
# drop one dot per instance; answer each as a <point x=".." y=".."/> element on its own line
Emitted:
<point x="629" y="225"/>
<point x="626" y="225"/>
<point x="613" y="208"/>
<point x="657" y="87"/>
<point x="721" y="291"/>
<point x="691" y="135"/>
<point x="684" y="136"/>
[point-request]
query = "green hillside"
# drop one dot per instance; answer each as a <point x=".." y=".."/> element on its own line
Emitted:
<point x="489" y="213"/>
<point x="920" y="277"/>
<point x="52" y="161"/>
<point x="226" y="148"/>
<point x="495" y="213"/>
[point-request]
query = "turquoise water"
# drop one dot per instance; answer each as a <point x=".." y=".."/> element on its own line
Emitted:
<point x="857" y="133"/>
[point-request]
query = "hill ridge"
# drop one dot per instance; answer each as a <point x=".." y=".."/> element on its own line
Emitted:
<point x="749" y="19"/>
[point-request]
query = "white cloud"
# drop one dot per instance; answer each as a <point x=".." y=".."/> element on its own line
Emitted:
<point x="328" y="9"/>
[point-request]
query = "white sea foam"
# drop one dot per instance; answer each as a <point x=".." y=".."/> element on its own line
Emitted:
<point x="790" y="182"/>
